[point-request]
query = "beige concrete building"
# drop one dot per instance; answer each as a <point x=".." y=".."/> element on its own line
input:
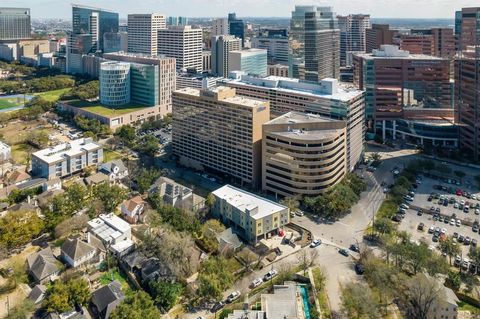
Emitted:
<point x="328" y="98"/>
<point x="183" y="43"/>
<point x="303" y="154"/>
<point x="218" y="130"/>
<point x="143" y="32"/>
<point x="252" y="217"/>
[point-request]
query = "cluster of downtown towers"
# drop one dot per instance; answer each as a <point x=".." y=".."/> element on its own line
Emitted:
<point x="422" y="86"/>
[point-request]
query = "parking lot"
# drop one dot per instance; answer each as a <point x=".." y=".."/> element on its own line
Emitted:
<point x="164" y="135"/>
<point x="431" y="195"/>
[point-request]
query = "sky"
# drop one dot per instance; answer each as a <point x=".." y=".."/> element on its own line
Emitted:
<point x="249" y="8"/>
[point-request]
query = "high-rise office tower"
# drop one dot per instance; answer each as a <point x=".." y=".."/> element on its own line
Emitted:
<point x="377" y="35"/>
<point x="15" y="23"/>
<point x="182" y="21"/>
<point x="352" y="34"/>
<point x="219" y="130"/>
<point x="143" y="32"/>
<point x="89" y="25"/>
<point x="444" y="40"/>
<point x="220" y="26"/>
<point x="221" y="46"/>
<point x="322" y="45"/>
<point x="314" y="38"/>
<point x="114" y="42"/>
<point x="237" y="27"/>
<point x="250" y="61"/>
<point x="183" y="43"/>
<point x="276" y="46"/>
<point x="173" y="21"/>
<point x="417" y="43"/>
<point x="467" y="81"/>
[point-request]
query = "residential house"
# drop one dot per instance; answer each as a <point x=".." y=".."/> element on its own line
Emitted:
<point x="176" y="194"/>
<point x="76" y="252"/>
<point x="17" y="177"/>
<point x="114" y="232"/>
<point x="53" y="184"/>
<point x="106" y="299"/>
<point x="133" y="209"/>
<point x="43" y="266"/>
<point x="285" y="302"/>
<point x="37" y="294"/>
<point x="44" y="200"/>
<point x="154" y="269"/>
<point x="115" y="170"/>
<point x="96" y="179"/>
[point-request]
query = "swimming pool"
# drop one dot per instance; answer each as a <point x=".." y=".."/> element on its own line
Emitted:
<point x="306" y="305"/>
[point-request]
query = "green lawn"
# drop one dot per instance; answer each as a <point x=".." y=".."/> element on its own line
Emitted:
<point x="54" y="95"/>
<point x="114" y="274"/>
<point x="468" y="307"/>
<point x="106" y="111"/>
<point x="109" y="155"/>
<point x="7" y="103"/>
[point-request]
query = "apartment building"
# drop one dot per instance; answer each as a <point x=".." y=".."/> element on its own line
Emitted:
<point x="328" y="98"/>
<point x="221" y="47"/>
<point x="15" y="23"/>
<point x="220" y="26"/>
<point x="352" y="34"/>
<point x="378" y="35"/>
<point x="394" y="79"/>
<point x="249" y="61"/>
<point x="143" y="32"/>
<point x="183" y="43"/>
<point x="252" y="217"/>
<point x="276" y="46"/>
<point x="66" y="159"/>
<point x="303" y="154"/>
<point x="218" y="130"/>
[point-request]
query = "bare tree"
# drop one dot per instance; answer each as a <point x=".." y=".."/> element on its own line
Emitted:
<point x="419" y="295"/>
<point x="307" y="259"/>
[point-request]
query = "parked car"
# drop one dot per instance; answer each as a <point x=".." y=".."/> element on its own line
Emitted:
<point x="420" y="212"/>
<point x="421" y="226"/>
<point x="216" y="307"/>
<point x="269" y="275"/>
<point x="457" y="261"/>
<point x="475" y="228"/>
<point x="431" y="229"/>
<point x="467" y="240"/>
<point x="355" y="248"/>
<point x="233" y="296"/>
<point x="256" y="282"/>
<point x="315" y="243"/>
<point x="299" y="213"/>
<point x="343" y="252"/>
<point x="359" y="269"/>
<point x="458" y="223"/>
<point x="404" y="206"/>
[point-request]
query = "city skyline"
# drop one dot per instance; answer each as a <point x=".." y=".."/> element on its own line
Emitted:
<point x="432" y="9"/>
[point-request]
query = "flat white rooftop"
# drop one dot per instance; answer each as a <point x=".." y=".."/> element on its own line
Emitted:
<point x="342" y="93"/>
<point x="248" y="202"/>
<point x="236" y="99"/>
<point x="72" y="148"/>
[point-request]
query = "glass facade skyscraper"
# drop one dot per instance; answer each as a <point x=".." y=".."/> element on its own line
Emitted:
<point x="237" y="27"/>
<point x="15" y="23"/>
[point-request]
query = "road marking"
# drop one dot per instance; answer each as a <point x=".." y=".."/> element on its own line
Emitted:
<point x="340" y="223"/>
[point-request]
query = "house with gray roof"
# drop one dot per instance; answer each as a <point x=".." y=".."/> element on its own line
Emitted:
<point x="115" y="170"/>
<point x="106" y="299"/>
<point x="76" y="252"/>
<point x="37" y="294"/>
<point x="43" y="266"/>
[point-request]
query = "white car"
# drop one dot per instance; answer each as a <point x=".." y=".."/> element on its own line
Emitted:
<point x="458" y="223"/>
<point x="299" y="213"/>
<point x="477" y="211"/>
<point x="474" y="197"/>
<point x="269" y="275"/>
<point x="431" y="230"/>
<point x="443" y="231"/>
<point x="315" y="243"/>
<point x="233" y="296"/>
<point x="256" y="282"/>
<point x="455" y="205"/>
<point x="404" y="206"/>
<point x="452" y="222"/>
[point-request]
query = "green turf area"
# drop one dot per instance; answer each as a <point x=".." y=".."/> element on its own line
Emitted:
<point x="468" y="307"/>
<point x="54" y="95"/>
<point x="109" y="155"/>
<point x="107" y="111"/>
<point x="7" y="103"/>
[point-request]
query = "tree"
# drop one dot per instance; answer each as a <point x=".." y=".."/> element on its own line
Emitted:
<point x="453" y="280"/>
<point x="64" y="296"/>
<point x="18" y="228"/>
<point x="71" y="225"/>
<point x="38" y="139"/>
<point x="449" y="247"/>
<point x="383" y="226"/>
<point x="127" y="135"/>
<point x="110" y="196"/>
<point x="138" y="305"/>
<point x="357" y="301"/>
<point x="291" y="202"/>
<point x="210" y="230"/>
<point x="418" y="296"/>
<point x="214" y="277"/>
<point x="148" y="145"/>
<point x="376" y="158"/>
<point x="164" y="293"/>
<point x="146" y="178"/>
<point x="84" y="91"/>
<point x="307" y="258"/>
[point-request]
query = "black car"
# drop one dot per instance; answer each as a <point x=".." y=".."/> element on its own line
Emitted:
<point x="343" y="252"/>
<point x="420" y="212"/>
<point x="354" y="247"/>
<point x="397" y="218"/>
<point x="216" y="307"/>
<point x="421" y="226"/>
<point x="460" y="238"/>
<point x="359" y="269"/>
<point x="430" y="198"/>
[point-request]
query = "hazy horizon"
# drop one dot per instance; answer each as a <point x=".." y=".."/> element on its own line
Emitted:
<point x="385" y="9"/>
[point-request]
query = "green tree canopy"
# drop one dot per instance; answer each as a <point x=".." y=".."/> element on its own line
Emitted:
<point x="18" y="228"/>
<point x="138" y="305"/>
